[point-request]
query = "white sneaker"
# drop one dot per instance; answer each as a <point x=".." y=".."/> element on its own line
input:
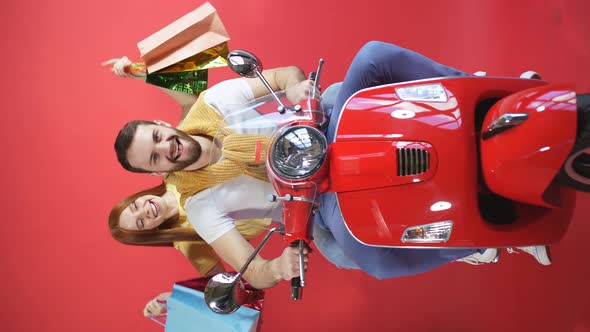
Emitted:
<point x="531" y="75"/>
<point x="541" y="253"/>
<point x="491" y="255"/>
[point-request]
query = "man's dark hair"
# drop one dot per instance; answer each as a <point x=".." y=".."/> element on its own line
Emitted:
<point x="123" y="142"/>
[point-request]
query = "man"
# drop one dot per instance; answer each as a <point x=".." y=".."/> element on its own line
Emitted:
<point x="183" y="155"/>
<point x="159" y="149"/>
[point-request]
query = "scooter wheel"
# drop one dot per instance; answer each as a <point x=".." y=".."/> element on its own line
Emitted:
<point x="575" y="172"/>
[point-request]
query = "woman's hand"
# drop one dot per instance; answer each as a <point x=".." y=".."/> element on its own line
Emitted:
<point x="301" y="91"/>
<point x="287" y="265"/>
<point x="121" y="67"/>
<point x="154" y="307"/>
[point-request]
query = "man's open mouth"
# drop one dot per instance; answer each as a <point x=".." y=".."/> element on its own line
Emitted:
<point x="176" y="149"/>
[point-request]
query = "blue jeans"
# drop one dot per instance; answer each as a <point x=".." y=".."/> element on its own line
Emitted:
<point x="375" y="64"/>
<point x="329" y="97"/>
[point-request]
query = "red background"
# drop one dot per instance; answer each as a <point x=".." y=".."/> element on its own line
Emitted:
<point x="60" y="270"/>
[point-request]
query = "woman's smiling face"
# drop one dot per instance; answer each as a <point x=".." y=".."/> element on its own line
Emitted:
<point x="146" y="212"/>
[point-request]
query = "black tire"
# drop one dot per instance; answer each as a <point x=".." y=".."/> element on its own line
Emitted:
<point x="575" y="172"/>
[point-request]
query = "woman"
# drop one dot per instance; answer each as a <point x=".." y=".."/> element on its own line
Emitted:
<point x="153" y="217"/>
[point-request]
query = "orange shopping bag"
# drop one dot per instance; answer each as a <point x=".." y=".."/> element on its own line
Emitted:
<point x="191" y="34"/>
<point x="177" y="57"/>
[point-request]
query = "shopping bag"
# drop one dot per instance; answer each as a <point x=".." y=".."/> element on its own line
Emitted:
<point x="195" y="32"/>
<point x="187" y="310"/>
<point x="178" y="56"/>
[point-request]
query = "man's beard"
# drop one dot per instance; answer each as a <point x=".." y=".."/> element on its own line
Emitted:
<point x="192" y="151"/>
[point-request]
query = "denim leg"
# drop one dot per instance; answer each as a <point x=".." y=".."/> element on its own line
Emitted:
<point x="326" y="244"/>
<point x="329" y="97"/>
<point x="380" y="63"/>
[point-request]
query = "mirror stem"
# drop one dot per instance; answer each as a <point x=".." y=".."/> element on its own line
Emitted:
<point x="281" y="105"/>
<point x="257" y="250"/>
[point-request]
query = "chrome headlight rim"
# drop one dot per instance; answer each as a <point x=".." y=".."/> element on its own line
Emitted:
<point x="277" y="139"/>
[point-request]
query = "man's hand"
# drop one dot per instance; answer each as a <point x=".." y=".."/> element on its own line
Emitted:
<point x="121" y="67"/>
<point x="154" y="308"/>
<point x="301" y="91"/>
<point x="287" y="265"/>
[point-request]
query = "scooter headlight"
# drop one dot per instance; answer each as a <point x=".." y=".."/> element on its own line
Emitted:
<point x="298" y="152"/>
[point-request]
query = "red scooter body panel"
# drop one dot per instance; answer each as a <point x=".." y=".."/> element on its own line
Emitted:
<point x="374" y="164"/>
<point x="521" y="162"/>
<point x="379" y="215"/>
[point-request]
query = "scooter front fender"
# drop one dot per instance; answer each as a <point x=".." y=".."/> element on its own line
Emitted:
<point x="521" y="162"/>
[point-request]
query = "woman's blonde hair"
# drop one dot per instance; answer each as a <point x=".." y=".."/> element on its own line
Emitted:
<point x="164" y="235"/>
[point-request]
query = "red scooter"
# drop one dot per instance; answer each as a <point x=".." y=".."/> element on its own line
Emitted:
<point x="469" y="162"/>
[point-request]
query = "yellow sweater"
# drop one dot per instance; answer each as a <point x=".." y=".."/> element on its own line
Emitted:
<point x="243" y="153"/>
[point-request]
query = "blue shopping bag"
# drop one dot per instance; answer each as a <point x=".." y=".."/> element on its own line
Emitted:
<point x="188" y="312"/>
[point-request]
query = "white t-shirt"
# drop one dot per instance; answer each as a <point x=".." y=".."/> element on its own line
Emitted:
<point x="212" y="212"/>
<point x="224" y="96"/>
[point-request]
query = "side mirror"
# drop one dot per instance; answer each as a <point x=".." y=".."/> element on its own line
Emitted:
<point x="225" y="293"/>
<point x="244" y="63"/>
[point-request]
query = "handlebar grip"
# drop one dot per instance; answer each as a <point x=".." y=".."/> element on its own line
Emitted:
<point x="296" y="284"/>
<point x="296" y="289"/>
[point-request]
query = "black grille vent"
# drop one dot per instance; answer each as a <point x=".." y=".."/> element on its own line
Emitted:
<point x="412" y="161"/>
